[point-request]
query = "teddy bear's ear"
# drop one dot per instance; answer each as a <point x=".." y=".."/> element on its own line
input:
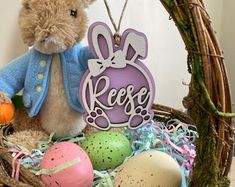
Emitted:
<point x="26" y="4"/>
<point x="86" y="3"/>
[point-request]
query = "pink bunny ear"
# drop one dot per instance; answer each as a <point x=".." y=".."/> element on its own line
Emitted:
<point x="135" y="45"/>
<point x="101" y="41"/>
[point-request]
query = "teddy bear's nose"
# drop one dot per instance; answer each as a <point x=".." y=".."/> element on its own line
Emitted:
<point x="45" y="37"/>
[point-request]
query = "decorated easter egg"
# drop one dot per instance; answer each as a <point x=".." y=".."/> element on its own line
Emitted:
<point x="107" y="149"/>
<point x="74" y="168"/>
<point x="149" y="169"/>
<point x="7" y="111"/>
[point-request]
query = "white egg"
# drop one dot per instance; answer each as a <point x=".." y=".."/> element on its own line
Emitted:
<point x="149" y="169"/>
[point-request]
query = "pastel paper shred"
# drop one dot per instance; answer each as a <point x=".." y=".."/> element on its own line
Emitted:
<point x="19" y="154"/>
<point x="174" y="138"/>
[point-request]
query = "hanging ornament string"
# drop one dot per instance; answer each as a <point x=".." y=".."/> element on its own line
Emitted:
<point x="116" y="27"/>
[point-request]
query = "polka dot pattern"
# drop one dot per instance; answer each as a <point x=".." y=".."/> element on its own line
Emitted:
<point x="107" y="149"/>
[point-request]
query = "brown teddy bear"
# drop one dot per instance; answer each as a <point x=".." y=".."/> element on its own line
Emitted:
<point x="51" y="71"/>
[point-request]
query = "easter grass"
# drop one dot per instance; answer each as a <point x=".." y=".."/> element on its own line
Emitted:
<point x="172" y="137"/>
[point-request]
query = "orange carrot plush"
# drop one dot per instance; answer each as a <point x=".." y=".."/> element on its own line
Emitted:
<point x="7" y="111"/>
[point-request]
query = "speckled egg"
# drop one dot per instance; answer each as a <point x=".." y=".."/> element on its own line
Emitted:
<point x="149" y="169"/>
<point x="107" y="149"/>
<point x="79" y="174"/>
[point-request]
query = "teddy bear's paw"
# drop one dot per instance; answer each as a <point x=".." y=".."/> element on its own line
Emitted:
<point x="29" y="139"/>
<point x="4" y="98"/>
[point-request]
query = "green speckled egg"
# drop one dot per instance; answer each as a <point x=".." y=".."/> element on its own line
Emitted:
<point x="107" y="149"/>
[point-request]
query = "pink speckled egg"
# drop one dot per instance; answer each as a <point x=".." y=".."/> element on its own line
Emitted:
<point x="78" y="175"/>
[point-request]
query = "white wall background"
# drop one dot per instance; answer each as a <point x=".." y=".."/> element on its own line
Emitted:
<point x="227" y="40"/>
<point x="11" y="45"/>
<point x="167" y="55"/>
<point x="222" y="15"/>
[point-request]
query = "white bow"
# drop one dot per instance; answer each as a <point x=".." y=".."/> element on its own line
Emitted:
<point x="98" y="66"/>
<point x="113" y="59"/>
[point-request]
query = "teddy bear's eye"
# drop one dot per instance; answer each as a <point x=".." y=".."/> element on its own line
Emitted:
<point x="27" y="7"/>
<point x="73" y="13"/>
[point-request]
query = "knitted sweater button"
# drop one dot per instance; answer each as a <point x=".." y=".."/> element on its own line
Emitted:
<point x="43" y="63"/>
<point x="39" y="89"/>
<point x="40" y="76"/>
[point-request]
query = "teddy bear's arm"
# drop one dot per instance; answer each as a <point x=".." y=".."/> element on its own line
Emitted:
<point x="12" y="76"/>
<point x="84" y="55"/>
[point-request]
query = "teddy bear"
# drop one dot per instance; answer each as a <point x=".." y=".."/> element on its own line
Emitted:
<point x="50" y="72"/>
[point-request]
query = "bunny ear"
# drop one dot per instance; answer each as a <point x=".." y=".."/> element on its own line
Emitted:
<point x="26" y="4"/>
<point x="101" y="41"/>
<point x="86" y="3"/>
<point x="137" y="43"/>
